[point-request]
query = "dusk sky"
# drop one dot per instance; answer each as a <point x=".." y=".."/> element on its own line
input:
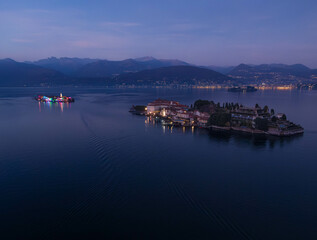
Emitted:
<point x="206" y="32"/>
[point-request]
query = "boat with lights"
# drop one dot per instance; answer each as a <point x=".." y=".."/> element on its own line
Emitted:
<point x="53" y="99"/>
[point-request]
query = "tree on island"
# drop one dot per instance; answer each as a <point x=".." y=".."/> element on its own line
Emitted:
<point x="200" y="103"/>
<point x="219" y="119"/>
<point x="272" y="111"/>
<point x="284" y="117"/>
<point x="266" y="109"/>
<point x="139" y="108"/>
<point x="257" y="105"/>
<point x="261" y="124"/>
<point x="274" y="119"/>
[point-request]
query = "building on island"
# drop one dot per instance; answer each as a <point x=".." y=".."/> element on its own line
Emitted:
<point x="247" y="116"/>
<point x="180" y="114"/>
<point x="158" y="105"/>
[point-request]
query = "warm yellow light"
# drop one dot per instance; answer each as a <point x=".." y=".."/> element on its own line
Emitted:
<point x="163" y="112"/>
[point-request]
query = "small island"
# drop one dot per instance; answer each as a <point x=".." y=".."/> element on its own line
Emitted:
<point x="53" y="99"/>
<point x="221" y="117"/>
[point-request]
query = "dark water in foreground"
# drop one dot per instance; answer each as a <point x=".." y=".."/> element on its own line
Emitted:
<point x="91" y="170"/>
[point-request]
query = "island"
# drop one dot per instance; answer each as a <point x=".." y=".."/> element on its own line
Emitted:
<point x="228" y="117"/>
<point x="53" y="99"/>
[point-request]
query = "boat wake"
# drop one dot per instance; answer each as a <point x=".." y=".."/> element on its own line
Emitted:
<point x="105" y="189"/>
<point x="213" y="216"/>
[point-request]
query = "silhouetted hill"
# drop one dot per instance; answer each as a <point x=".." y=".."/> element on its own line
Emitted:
<point x="241" y="68"/>
<point x="13" y="73"/>
<point x="64" y="65"/>
<point x="174" y="75"/>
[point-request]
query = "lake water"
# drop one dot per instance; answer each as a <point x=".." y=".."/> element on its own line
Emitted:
<point x="92" y="170"/>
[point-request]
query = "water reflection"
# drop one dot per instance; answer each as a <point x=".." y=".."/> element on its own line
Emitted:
<point x="59" y="106"/>
<point x="239" y="140"/>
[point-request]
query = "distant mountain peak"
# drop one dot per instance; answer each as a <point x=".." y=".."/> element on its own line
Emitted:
<point x="145" y="59"/>
<point x="243" y="65"/>
<point x="128" y="60"/>
<point x="7" y="60"/>
<point x="174" y="62"/>
<point x="166" y="59"/>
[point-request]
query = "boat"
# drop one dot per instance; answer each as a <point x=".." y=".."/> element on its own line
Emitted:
<point x="251" y="89"/>
<point x="235" y="89"/>
<point x="53" y="99"/>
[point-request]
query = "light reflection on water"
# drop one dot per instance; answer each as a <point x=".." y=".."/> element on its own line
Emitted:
<point x="56" y="106"/>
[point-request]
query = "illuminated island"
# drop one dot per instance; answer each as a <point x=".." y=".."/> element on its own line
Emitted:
<point x="53" y="99"/>
<point x="223" y="117"/>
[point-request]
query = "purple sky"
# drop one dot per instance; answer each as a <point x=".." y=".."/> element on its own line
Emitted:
<point x="206" y="32"/>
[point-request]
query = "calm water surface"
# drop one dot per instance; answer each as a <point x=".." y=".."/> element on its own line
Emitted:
<point x="92" y="170"/>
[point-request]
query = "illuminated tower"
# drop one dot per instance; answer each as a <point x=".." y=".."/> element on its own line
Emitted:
<point x="60" y="95"/>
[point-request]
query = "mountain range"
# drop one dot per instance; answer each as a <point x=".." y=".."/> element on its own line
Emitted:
<point x="144" y="70"/>
<point x="96" y="68"/>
